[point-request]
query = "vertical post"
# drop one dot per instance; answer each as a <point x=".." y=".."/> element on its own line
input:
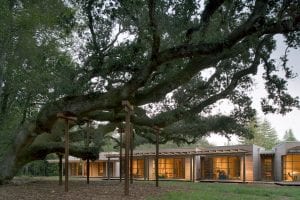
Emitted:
<point x="77" y="169"/>
<point x="156" y="155"/>
<point x="87" y="142"/>
<point x="127" y="139"/>
<point x="66" y="155"/>
<point x="88" y="171"/>
<point x="82" y="169"/>
<point x="60" y="169"/>
<point x="145" y="169"/>
<point x="148" y="170"/>
<point x="108" y="168"/>
<point x="131" y="155"/>
<point x="194" y="168"/>
<point x="244" y="168"/>
<point x="106" y="171"/>
<point x="191" y="168"/>
<point x="120" y="158"/>
<point x="128" y="109"/>
<point x="67" y="116"/>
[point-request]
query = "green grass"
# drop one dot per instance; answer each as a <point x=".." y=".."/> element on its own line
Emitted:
<point x="230" y="191"/>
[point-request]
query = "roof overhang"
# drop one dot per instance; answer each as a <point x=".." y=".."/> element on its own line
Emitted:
<point x="186" y="153"/>
<point x="294" y="150"/>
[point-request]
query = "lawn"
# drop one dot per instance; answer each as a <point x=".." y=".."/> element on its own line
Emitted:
<point x="47" y="188"/>
<point x="230" y="191"/>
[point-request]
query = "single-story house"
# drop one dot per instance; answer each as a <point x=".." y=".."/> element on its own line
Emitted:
<point x="237" y="163"/>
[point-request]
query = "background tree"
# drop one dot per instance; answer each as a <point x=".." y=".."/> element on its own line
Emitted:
<point x="289" y="136"/>
<point x="173" y="60"/>
<point x="203" y="142"/>
<point x="263" y="134"/>
<point x="32" y="69"/>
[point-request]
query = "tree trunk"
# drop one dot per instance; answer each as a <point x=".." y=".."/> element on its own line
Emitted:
<point x="17" y="155"/>
<point x="25" y="150"/>
<point x="10" y="164"/>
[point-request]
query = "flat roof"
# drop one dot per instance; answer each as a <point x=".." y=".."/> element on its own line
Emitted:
<point x="267" y="152"/>
<point x="185" y="153"/>
<point x="295" y="149"/>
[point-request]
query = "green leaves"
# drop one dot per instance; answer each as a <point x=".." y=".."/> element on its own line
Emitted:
<point x="179" y="57"/>
<point x="289" y="136"/>
<point x="262" y="134"/>
<point x="34" y="70"/>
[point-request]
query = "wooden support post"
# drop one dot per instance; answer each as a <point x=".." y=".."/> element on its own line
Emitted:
<point x="87" y="143"/>
<point x="148" y="170"/>
<point x="108" y="168"/>
<point x="82" y="168"/>
<point x="131" y="155"/>
<point x="156" y="155"/>
<point x="145" y="169"/>
<point x="67" y="155"/>
<point x="67" y="116"/>
<point x="128" y="109"/>
<point x="126" y="167"/>
<point x="106" y="172"/>
<point x="88" y="171"/>
<point x="194" y="168"/>
<point x="60" y="169"/>
<point x="121" y="148"/>
<point x="191" y="169"/>
<point x="244" y="168"/>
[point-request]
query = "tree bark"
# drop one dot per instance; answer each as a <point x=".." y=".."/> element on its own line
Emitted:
<point x="25" y="150"/>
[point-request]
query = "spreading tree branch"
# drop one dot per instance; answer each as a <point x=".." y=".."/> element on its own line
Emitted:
<point x="209" y="10"/>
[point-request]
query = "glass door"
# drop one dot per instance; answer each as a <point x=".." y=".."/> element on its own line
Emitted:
<point x="267" y="168"/>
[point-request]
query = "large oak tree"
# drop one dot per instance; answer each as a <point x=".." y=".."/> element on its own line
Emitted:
<point x="173" y="60"/>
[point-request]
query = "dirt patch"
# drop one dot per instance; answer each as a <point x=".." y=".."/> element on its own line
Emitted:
<point x="112" y="190"/>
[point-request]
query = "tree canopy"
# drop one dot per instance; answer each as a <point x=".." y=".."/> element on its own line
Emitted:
<point x="263" y="134"/>
<point x="173" y="60"/>
<point x="289" y="136"/>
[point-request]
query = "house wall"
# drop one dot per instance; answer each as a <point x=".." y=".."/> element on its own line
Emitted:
<point x="107" y="168"/>
<point x="281" y="150"/>
<point x="248" y="168"/>
<point x="116" y="172"/>
<point x="93" y="169"/>
<point x="197" y="167"/>
<point x="252" y="163"/>
<point x="151" y="169"/>
<point x="187" y="168"/>
<point x="146" y="168"/>
<point x="74" y="169"/>
<point x="256" y="162"/>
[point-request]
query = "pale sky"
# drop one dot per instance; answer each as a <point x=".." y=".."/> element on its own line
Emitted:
<point x="291" y="120"/>
<point x="280" y="123"/>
